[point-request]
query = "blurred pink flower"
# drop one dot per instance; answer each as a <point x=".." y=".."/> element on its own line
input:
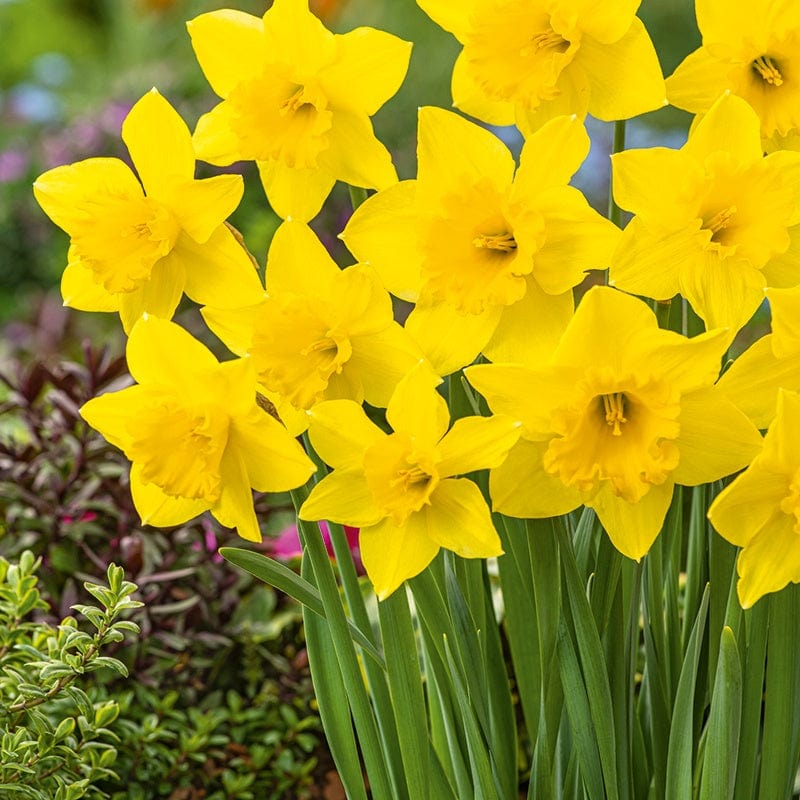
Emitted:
<point x="286" y="546"/>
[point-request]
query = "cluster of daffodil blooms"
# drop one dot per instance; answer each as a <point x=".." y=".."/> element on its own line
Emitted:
<point x="502" y="421"/>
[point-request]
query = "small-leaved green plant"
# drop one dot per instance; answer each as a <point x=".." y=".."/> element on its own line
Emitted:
<point x="55" y="743"/>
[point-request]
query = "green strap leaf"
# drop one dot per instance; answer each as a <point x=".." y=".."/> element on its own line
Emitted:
<point x="722" y="738"/>
<point x="281" y="577"/>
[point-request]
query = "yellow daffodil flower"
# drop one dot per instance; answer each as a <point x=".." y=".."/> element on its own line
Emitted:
<point x="527" y="61"/>
<point x="401" y="488"/>
<point x="136" y="250"/>
<point x="297" y="99"/>
<point x="715" y="221"/>
<point x="622" y="412"/>
<point x="319" y="333"/>
<point x="751" y="49"/>
<point x="769" y="364"/>
<point x="760" y="510"/>
<point x="488" y="256"/>
<point x="191" y="426"/>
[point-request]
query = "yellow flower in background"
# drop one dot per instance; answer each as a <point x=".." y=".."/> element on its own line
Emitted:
<point x="319" y="333"/>
<point x="527" y="61"/>
<point x="769" y="364"/>
<point x="715" y="221"/>
<point x="297" y="99"/>
<point x="401" y="488"/>
<point x="193" y="432"/>
<point x="760" y="510"/>
<point x="488" y="256"/>
<point x="134" y="249"/>
<point x="622" y="412"/>
<point x="751" y="49"/>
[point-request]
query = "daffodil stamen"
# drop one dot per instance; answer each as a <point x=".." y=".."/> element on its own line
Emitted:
<point x="767" y="70"/>
<point x="295" y="103"/>
<point x="412" y="477"/>
<point x="504" y="242"/>
<point x="720" y="220"/>
<point x="614" y="406"/>
<point x="549" y="40"/>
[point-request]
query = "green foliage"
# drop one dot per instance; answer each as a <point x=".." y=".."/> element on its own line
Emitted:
<point x="55" y="740"/>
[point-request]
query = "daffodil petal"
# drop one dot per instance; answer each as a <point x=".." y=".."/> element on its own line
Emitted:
<point x="219" y="272"/>
<point x="229" y="45"/>
<point x="747" y="504"/>
<point x="233" y="326"/>
<point x="520" y="487"/>
<point x="698" y="81"/>
<point x="471" y="98"/>
<point x="383" y="233"/>
<point x="214" y="140"/>
<point x="715" y="440"/>
<point x="382" y="359"/>
<point x="785" y="305"/>
<point x="577" y="239"/>
<point x="453" y="17"/>
<point x="293" y="35"/>
<point x="298" y="262"/>
<point x="725" y="293"/>
<point x="475" y="443"/>
<point x="480" y="154"/>
<point x="62" y="192"/>
<point x="111" y="413"/>
<point x="770" y="561"/>
<point x="551" y="156"/>
<point x="157" y="348"/>
<point x="159" y="509"/>
<point x="355" y="155"/>
<point x="730" y="125"/>
<point x="530" y="329"/>
<point x="343" y="496"/>
<point x="458" y="519"/>
<point x="159" y="296"/>
<point x="340" y="432"/>
<point x="202" y="206"/>
<point x="649" y="265"/>
<point x="295" y="193"/>
<point x="391" y="554"/>
<point x="753" y="380"/>
<point x="417" y="408"/>
<point x="80" y="290"/>
<point x="235" y="509"/>
<point x="633" y="527"/>
<point x="625" y="76"/>
<point x="369" y="68"/>
<point x="159" y="143"/>
<point x="449" y="338"/>
<point x="273" y="459"/>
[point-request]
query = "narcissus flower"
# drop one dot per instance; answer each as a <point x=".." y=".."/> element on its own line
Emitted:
<point x="715" y="221"/>
<point x="527" y="61"/>
<point x="320" y="333"/>
<point x="489" y="257"/>
<point x="623" y="412"/>
<point x="197" y="439"/>
<point x="134" y="249"/>
<point x="297" y="99"/>
<point x="769" y="364"/>
<point x="401" y="488"/>
<point x="751" y="49"/>
<point x="760" y="510"/>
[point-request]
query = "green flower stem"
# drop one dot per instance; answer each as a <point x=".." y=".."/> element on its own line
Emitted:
<point x="363" y="716"/>
<point x="357" y="195"/>
<point x="618" y="145"/>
